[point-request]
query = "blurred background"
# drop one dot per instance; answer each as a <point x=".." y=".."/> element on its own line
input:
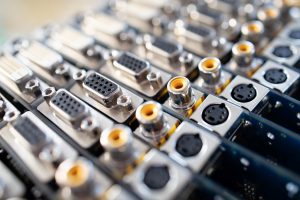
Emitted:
<point x="21" y="17"/>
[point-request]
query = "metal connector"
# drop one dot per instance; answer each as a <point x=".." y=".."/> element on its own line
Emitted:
<point x="243" y="53"/>
<point x="102" y="89"/>
<point x="163" y="49"/>
<point x="72" y="111"/>
<point x="244" y="61"/>
<point x="253" y="31"/>
<point x="40" y="55"/>
<point x="77" y="119"/>
<point x="200" y="39"/>
<point x="145" y="18"/>
<point x="210" y="70"/>
<point x="118" y="143"/>
<point x="152" y="122"/>
<point x="191" y="145"/>
<point x="270" y="15"/>
<point x="15" y="72"/>
<point x="217" y="114"/>
<point x="181" y="93"/>
<point x="84" y="52"/>
<point x="136" y="73"/>
<point x="79" y="176"/>
<point x="212" y="78"/>
<point x="132" y="66"/>
<point x="282" y="51"/>
<point x="230" y="7"/>
<point x="105" y="95"/>
<point x="166" y="54"/>
<point x="291" y="32"/>
<point x="246" y="93"/>
<point x="36" y="145"/>
<point x="35" y="140"/>
<point x="158" y="178"/>
<point x="276" y="76"/>
<point x="168" y="7"/>
<point x="7" y="110"/>
<point x="224" y="24"/>
<point x="117" y="35"/>
<point x="206" y="15"/>
<point x="68" y="108"/>
<point x="43" y="61"/>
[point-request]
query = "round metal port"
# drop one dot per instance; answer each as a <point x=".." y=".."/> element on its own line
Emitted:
<point x="116" y="137"/>
<point x="283" y="51"/>
<point x="244" y="47"/>
<point x="295" y="34"/>
<point x="77" y="175"/>
<point x="275" y="76"/>
<point x="254" y="27"/>
<point x="215" y="114"/>
<point x="243" y="93"/>
<point x="148" y="111"/>
<point x="178" y="84"/>
<point x="210" y="64"/>
<point x="189" y="144"/>
<point x="157" y="177"/>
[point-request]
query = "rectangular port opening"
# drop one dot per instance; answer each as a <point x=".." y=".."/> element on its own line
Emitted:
<point x="29" y="134"/>
<point x="132" y="66"/>
<point x="198" y="31"/>
<point x="164" y="47"/>
<point x="102" y="89"/>
<point x="68" y="107"/>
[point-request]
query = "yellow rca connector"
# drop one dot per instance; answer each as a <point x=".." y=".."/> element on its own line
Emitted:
<point x="253" y="27"/>
<point x="291" y="3"/>
<point x="117" y="140"/>
<point x="181" y="93"/>
<point x="77" y="175"/>
<point x="210" y="70"/>
<point x="73" y="173"/>
<point x="119" y="151"/>
<point x="270" y="16"/>
<point x="243" y="53"/>
<point x="210" y="64"/>
<point x="244" y="48"/>
<point x="244" y="61"/>
<point x="253" y="31"/>
<point x="269" y="13"/>
<point x="178" y="84"/>
<point x="153" y="124"/>
<point x="149" y="112"/>
<point x="212" y="79"/>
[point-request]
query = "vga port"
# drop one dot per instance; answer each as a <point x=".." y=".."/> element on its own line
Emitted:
<point x="164" y="47"/>
<point x="198" y="31"/>
<point x="68" y="107"/>
<point x="15" y="71"/>
<point x="132" y="66"/>
<point x="102" y="89"/>
<point x="30" y="135"/>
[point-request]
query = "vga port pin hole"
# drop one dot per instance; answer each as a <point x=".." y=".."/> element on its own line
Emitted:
<point x="68" y="104"/>
<point x="100" y="84"/>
